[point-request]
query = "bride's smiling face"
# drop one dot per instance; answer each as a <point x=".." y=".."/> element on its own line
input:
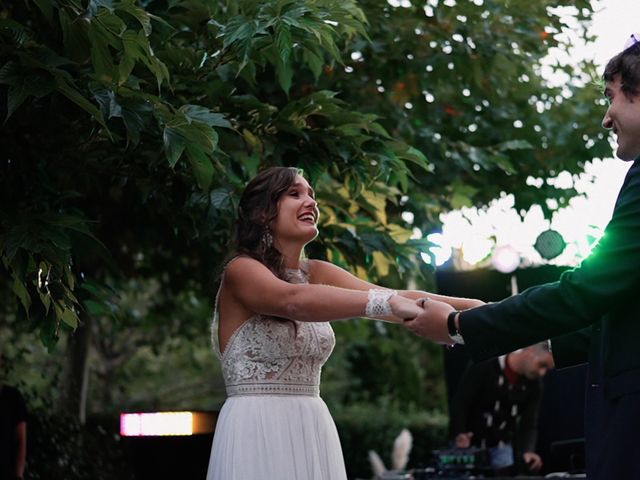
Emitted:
<point x="297" y="214"/>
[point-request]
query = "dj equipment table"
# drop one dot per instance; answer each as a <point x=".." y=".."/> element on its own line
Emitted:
<point x="430" y="475"/>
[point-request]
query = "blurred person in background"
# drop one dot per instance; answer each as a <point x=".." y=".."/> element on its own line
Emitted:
<point x="13" y="430"/>
<point x="496" y="407"/>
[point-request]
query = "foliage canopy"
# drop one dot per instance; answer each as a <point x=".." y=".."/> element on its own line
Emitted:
<point x="130" y="128"/>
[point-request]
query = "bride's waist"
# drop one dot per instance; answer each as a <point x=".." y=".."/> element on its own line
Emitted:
<point x="266" y="388"/>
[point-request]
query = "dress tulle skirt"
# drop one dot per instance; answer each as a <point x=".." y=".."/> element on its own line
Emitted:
<point x="276" y="438"/>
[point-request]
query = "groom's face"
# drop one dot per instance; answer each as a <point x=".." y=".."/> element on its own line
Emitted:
<point x="623" y="118"/>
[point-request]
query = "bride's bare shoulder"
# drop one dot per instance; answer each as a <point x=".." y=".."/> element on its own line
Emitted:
<point x="246" y="272"/>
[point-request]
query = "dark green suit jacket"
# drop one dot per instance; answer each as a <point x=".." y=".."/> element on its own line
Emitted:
<point x="597" y="303"/>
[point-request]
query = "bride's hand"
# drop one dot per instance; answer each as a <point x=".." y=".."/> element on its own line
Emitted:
<point x="404" y="308"/>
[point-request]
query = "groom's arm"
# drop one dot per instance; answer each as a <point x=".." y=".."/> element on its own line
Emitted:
<point x="606" y="280"/>
<point x="572" y="349"/>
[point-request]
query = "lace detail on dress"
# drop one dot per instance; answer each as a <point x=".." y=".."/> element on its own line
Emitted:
<point x="275" y="357"/>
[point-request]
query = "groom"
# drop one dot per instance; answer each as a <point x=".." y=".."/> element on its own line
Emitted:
<point x="592" y="313"/>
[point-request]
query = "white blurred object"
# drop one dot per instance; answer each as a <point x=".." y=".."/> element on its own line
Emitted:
<point x="401" y="450"/>
<point x="514" y="285"/>
<point x="396" y="475"/>
<point x="399" y="458"/>
<point x="377" y="465"/>
<point x="505" y="259"/>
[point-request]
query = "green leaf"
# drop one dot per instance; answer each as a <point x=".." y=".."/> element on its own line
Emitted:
<point x="97" y="308"/>
<point x="127" y="63"/>
<point x="379" y="130"/>
<point x="462" y="195"/>
<point x="284" y="72"/>
<point x="74" y="37"/>
<point x="504" y="163"/>
<point x="201" y="114"/>
<point x="201" y="166"/>
<point x="94" y="5"/>
<point x="111" y="25"/>
<point x="136" y="45"/>
<point x="160" y="70"/>
<point x="69" y="277"/>
<point x="136" y="116"/>
<point x="283" y="43"/>
<point x="115" y="110"/>
<point x="77" y="98"/>
<point x="174" y="144"/>
<point x="15" y="97"/>
<point x="70" y="318"/>
<point x="46" y="300"/>
<point x="314" y="60"/>
<point x="101" y="56"/>
<point x="178" y="135"/>
<point x="137" y="48"/>
<point x="139" y="14"/>
<point x="416" y="156"/>
<point x="292" y="12"/>
<point x="221" y="198"/>
<point x="238" y="28"/>
<point x="21" y="292"/>
<point x="313" y="27"/>
<point x="329" y="43"/>
<point x="108" y="102"/>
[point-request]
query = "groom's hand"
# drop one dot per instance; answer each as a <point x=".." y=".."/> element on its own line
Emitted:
<point x="431" y="323"/>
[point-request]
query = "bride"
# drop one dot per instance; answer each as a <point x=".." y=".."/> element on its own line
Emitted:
<point x="271" y="333"/>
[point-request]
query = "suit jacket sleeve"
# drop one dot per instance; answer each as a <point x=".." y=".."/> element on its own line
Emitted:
<point x="606" y="279"/>
<point x="571" y="349"/>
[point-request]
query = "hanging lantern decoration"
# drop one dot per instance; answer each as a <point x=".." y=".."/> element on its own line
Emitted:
<point x="549" y="244"/>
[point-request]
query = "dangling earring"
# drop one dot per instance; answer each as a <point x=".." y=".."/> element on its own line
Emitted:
<point x="267" y="238"/>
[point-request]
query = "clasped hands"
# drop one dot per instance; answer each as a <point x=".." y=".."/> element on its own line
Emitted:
<point x="424" y="317"/>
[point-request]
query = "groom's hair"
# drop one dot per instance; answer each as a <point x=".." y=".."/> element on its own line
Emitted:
<point x="626" y="64"/>
<point x="542" y="346"/>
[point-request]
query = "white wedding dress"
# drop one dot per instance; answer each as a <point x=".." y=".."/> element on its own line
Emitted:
<point x="274" y="425"/>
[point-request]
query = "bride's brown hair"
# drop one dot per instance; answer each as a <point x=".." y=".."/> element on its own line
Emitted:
<point x="258" y="208"/>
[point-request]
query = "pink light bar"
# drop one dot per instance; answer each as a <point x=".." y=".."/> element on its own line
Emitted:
<point x="166" y="423"/>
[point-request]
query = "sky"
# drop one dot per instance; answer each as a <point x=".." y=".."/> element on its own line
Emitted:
<point x="585" y="217"/>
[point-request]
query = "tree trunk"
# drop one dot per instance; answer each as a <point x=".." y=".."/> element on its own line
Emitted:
<point x="75" y="379"/>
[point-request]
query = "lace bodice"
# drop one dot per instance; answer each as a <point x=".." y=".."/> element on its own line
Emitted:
<point x="274" y="357"/>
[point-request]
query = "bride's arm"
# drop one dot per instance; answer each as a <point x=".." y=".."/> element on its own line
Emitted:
<point x="255" y="287"/>
<point x="330" y="274"/>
